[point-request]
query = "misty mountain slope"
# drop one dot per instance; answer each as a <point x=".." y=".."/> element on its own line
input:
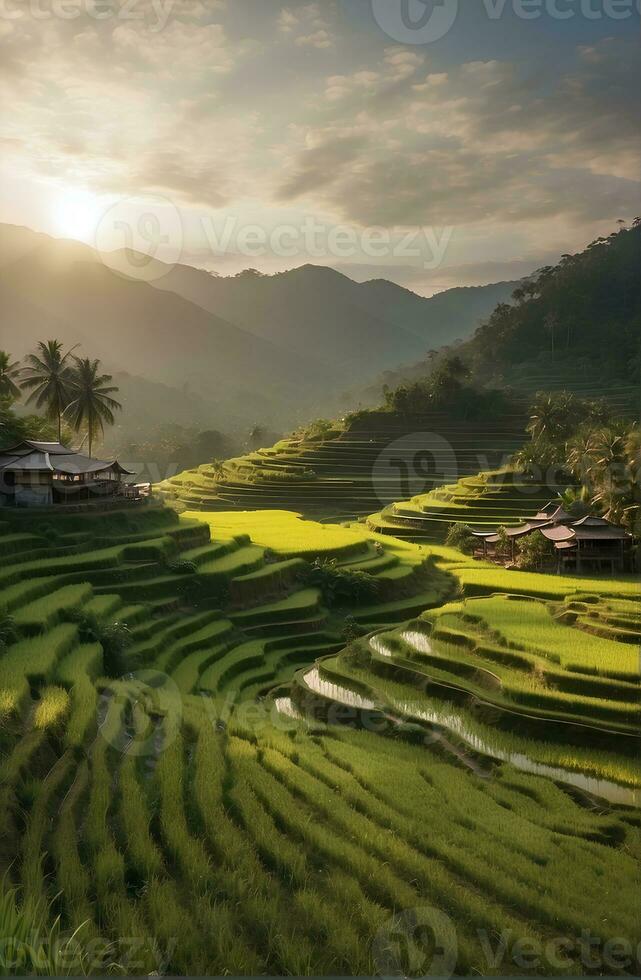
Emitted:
<point x="278" y="349"/>
<point x="312" y="310"/>
<point x="356" y="329"/>
<point x="17" y="242"/>
<point x="451" y="315"/>
<point x="136" y="328"/>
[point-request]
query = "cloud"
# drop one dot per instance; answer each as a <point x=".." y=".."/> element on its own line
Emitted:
<point x="482" y="142"/>
<point x="298" y="110"/>
<point x="307" y="25"/>
<point x="123" y="109"/>
<point x="319" y="39"/>
<point x="320" y="164"/>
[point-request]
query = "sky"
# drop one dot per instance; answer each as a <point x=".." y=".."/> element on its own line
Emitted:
<point x="435" y="143"/>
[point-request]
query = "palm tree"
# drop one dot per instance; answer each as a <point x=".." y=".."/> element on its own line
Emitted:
<point x="610" y="470"/>
<point x="47" y="376"/>
<point x="550" y="415"/>
<point x="91" y="404"/>
<point x="9" y="372"/>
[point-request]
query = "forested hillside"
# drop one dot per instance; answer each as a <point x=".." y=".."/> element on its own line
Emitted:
<point x="573" y="326"/>
<point x="583" y="313"/>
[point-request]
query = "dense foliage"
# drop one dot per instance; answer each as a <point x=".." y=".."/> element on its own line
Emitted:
<point x="460" y="536"/>
<point x="448" y="388"/>
<point x="169" y="449"/>
<point x="534" y="550"/>
<point x="585" y="310"/>
<point x="341" y="586"/>
<point x="14" y="428"/>
<point x="582" y="439"/>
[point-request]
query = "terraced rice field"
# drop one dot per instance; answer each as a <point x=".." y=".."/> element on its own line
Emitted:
<point x="352" y="473"/>
<point x="484" y="501"/>
<point x="512" y="677"/>
<point x="247" y="790"/>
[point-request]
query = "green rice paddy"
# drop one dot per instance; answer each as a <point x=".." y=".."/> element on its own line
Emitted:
<point x="198" y="749"/>
<point x="484" y="501"/>
<point x="351" y="472"/>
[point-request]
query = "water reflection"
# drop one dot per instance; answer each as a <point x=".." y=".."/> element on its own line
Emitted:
<point x="336" y="692"/>
<point x="418" y="641"/>
<point x="285" y="706"/>
<point x="378" y="646"/>
<point x="603" y="788"/>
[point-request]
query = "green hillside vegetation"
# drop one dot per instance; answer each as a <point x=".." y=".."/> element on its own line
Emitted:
<point x="573" y="327"/>
<point x="490" y="499"/>
<point x="507" y="676"/>
<point x="575" y="305"/>
<point x="150" y="788"/>
<point x="578" y="453"/>
<point x="598" y="451"/>
<point x="424" y="436"/>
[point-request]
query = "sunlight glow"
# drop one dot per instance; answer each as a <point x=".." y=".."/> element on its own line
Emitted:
<point x="77" y="213"/>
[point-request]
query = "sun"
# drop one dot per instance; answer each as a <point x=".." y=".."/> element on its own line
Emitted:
<point x="76" y="214"/>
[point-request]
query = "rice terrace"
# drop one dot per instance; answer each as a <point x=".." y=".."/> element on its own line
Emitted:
<point x="320" y="557"/>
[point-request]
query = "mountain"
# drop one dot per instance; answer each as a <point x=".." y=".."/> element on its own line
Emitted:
<point x="275" y="349"/>
<point x="442" y="319"/>
<point x="63" y="289"/>
<point x="352" y="330"/>
<point x="574" y="325"/>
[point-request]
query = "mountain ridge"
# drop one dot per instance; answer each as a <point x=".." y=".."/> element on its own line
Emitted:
<point x="281" y="348"/>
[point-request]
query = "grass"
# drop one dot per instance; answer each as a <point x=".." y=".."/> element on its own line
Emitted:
<point x="484" y="501"/>
<point x="247" y="847"/>
<point x="79" y="671"/>
<point x="532" y="626"/>
<point x="287" y="533"/>
<point x="52" y="708"/>
<point x="483" y="578"/>
<point x="32" y="945"/>
<point x="345" y="473"/>
<point x="32" y="660"/>
<point x="44" y="612"/>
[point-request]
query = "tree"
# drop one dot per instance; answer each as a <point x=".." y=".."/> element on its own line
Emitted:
<point x="561" y="428"/>
<point x="9" y="374"/>
<point x="91" y="405"/>
<point x="551" y="324"/>
<point x="534" y="551"/>
<point x="503" y="545"/>
<point x="551" y="416"/>
<point x="448" y="378"/>
<point x="609" y="471"/>
<point x="460" y="536"/>
<point x="48" y="377"/>
<point x="15" y="428"/>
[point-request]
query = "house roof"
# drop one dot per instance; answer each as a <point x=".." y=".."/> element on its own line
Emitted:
<point x="53" y="457"/>
<point x="558" y="526"/>
<point x="560" y="532"/>
<point x="33" y="461"/>
<point x="512" y="532"/>
<point x="609" y="533"/>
